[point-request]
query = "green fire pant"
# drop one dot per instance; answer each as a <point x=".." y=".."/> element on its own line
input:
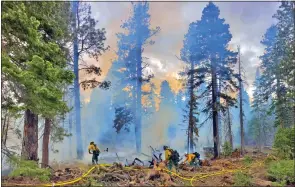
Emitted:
<point x="195" y="163"/>
<point x="172" y="165"/>
<point x="95" y="157"/>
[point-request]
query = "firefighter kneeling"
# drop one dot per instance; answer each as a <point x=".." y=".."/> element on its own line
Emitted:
<point x="193" y="159"/>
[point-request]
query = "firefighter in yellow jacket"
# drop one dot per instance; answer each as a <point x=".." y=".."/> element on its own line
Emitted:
<point x="95" y="152"/>
<point x="170" y="161"/>
<point x="192" y="159"/>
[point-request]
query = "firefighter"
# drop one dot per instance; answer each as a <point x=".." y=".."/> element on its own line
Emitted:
<point x="193" y="159"/>
<point x="171" y="158"/>
<point x="95" y="152"/>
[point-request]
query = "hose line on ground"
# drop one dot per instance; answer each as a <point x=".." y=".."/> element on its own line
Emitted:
<point x="194" y="178"/>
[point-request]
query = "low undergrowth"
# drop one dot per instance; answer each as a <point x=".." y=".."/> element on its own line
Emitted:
<point x="242" y="179"/>
<point x="30" y="169"/>
<point x="281" y="172"/>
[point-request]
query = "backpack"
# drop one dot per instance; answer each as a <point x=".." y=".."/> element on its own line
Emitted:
<point x="174" y="156"/>
<point x="197" y="155"/>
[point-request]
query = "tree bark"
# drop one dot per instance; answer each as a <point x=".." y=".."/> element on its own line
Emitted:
<point x="3" y="127"/>
<point x="214" y="109"/>
<point x="70" y="129"/>
<point x="293" y="56"/>
<point x="30" y="137"/>
<point x="77" y="86"/>
<point x="229" y="129"/>
<point x="191" y="115"/>
<point x="6" y="130"/>
<point x="219" y="117"/>
<point x="45" y="145"/>
<point x="241" y="105"/>
<point x="279" y="109"/>
<point x="188" y="138"/>
<point x="138" y="97"/>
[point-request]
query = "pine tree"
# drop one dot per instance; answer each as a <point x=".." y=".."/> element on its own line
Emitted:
<point x="286" y="40"/>
<point x="139" y="34"/>
<point x="278" y="66"/>
<point x="241" y="104"/>
<point x="261" y="124"/>
<point x="208" y="49"/>
<point x="87" y="41"/>
<point x="189" y="54"/>
<point x="34" y="64"/>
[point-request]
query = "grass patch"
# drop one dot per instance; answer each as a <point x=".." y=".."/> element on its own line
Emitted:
<point x="242" y="179"/>
<point x="281" y="171"/>
<point x="247" y="160"/>
<point x="281" y="184"/>
<point x="30" y="169"/>
<point x="269" y="160"/>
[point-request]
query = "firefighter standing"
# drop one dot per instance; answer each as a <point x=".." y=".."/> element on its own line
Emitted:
<point x="95" y="152"/>
<point x="171" y="158"/>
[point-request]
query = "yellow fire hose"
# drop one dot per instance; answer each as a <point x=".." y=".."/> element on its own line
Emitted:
<point x="194" y="178"/>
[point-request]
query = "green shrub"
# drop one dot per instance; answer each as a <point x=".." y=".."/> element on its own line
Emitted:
<point x="28" y="168"/>
<point x="247" y="160"/>
<point x="281" y="171"/>
<point x="280" y="184"/>
<point x="227" y="149"/>
<point x="284" y="143"/>
<point x="242" y="179"/>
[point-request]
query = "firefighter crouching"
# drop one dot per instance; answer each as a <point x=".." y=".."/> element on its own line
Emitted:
<point x="171" y="158"/>
<point x="193" y="159"/>
<point x="95" y="152"/>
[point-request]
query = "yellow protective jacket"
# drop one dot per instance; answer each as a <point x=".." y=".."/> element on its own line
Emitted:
<point x="92" y="148"/>
<point x="189" y="157"/>
<point x="168" y="153"/>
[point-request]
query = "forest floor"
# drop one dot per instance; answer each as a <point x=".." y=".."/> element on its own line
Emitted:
<point x="219" y="172"/>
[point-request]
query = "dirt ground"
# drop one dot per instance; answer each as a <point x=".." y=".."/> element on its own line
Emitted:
<point x="217" y="172"/>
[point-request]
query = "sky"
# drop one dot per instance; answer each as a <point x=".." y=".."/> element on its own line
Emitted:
<point x="248" y="22"/>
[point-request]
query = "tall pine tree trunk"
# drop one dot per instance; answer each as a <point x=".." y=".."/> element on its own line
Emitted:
<point x="219" y="118"/>
<point x="229" y="128"/>
<point x="6" y="130"/>
<point x="215" y="109"/>
<point x="77" y="86"/>
<point x="293" y="82"/>
<point x="191" y="115"/>
<point x="241" y="105"/>
<point x="70" y="129"/>
<point x="188" y="138"/>
<point x="45" y="145"/>
<point x="260" y="136"/>
<point x="3" y="127"/>
<point x="138" y="98"/>
<point x="30" y="136"/>
<point x="279" y="108"/>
